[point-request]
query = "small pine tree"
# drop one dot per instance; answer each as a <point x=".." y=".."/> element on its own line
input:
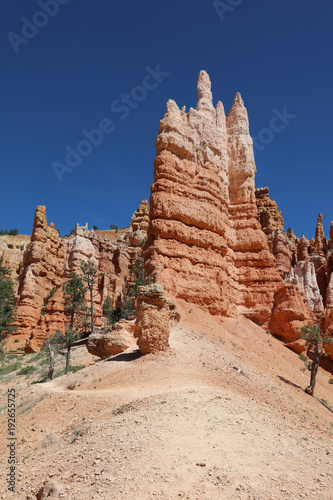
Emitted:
<point x="112" y="315"/>
<point x="90" y="277"/>
<point x="139" y="276"/>
<point x="315" y="339"/>
<point x="47" y="298"/>
<point x="67" y="340"/>
<point x="7" y="304"/>
<point x="74" y="293"/>
<point x="50" y="347"/>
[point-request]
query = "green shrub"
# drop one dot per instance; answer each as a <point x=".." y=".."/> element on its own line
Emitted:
<point x="36" y="357"/>
<point x="27" y="370"/>
<point x="4" y="370"/>
<point x="330" y="380"/>
<point x="76" y="368"/>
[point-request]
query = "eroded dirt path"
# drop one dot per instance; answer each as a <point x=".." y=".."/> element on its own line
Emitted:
<point x="210" y="419"/>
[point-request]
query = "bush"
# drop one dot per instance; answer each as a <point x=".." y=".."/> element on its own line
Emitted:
<point x="4" y="370"/>
<point x="76" y="368"/>
<point x="27" y="370"/>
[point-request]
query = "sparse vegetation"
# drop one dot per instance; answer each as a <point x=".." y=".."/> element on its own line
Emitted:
<point x="4" y="370"/>
<point x="28" y="404"/>
<point x="76" y="368"/>
<point x="120" y="410"/>
<point x="27" y="370"/>
<point x="11" y="232"/>
<point x="7" y="304"/>
<point x="77" y="432"/>
<point x="47" y="298"/>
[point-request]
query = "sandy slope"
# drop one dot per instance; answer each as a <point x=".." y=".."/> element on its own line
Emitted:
<point x="210" y="419"/>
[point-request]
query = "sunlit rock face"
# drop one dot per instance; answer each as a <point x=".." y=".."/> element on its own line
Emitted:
<point x="48" y="261"/>
<point x="205" y="243"/>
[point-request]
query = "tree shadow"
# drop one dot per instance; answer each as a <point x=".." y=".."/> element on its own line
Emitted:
<point x="286" y="381"/>
<point x="126" y="356"/>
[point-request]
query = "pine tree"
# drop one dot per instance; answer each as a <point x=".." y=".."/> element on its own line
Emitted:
<point x="315" y="339"/>
<point x="90" y="277"/>
<point x="139" y="276"/>
<point x="7" y="304"/>
<point x="112" y="315"/>
<point x="74" y="293"/>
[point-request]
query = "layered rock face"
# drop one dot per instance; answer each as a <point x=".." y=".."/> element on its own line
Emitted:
<point x="48" y="262"/>
<point x="12" y="249"/>
<point x="155" y="317"/>
<point x="289" y="314"/>
<point x="281" y="244"/>
<point x="205" y="243"/>
<point x="307" y="265"/>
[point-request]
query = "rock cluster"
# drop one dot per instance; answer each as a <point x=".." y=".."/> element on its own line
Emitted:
<point x="155" y="316"/>
<point x="303" y="263"/>
<point x="48" y="261"/>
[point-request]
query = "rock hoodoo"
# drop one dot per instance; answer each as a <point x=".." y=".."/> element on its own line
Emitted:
<point x="205" y="242"/>
<point x="154" y="318"/>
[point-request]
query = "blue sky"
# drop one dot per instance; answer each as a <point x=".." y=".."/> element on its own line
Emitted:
<point x="84" y="56"/>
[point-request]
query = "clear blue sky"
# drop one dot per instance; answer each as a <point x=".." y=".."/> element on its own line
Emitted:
<point x="65" y="77"/>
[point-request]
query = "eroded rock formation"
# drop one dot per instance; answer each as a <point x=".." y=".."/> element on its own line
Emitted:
<point x="281" y="244"/>
<point x="205" y="242"/>
<point x="289" y="314"/>
<point x="155" y="316"/>
<point x="12" y="249"/>
<point x="108" y="341"/>
<point x="48" y="261"/>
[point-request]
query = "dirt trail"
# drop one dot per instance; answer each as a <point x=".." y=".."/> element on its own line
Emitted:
<point x="209" y="419"/>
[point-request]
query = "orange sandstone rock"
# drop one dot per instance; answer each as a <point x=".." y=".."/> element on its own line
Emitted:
<point x="155" y="316"/>
<point x="290" y="313"/>
<point x="108" y="341"/>
<point x="205" y="243"/>
<point x="48" y="262"/>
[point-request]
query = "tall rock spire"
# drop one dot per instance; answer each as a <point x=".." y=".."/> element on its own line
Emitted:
<point x="321" y="244"/>
<point x="242" y="168"/>
<point x="205" y="97"/>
